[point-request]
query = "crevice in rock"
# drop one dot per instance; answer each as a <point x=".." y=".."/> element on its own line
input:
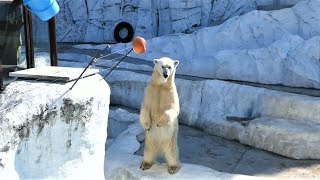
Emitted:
<point x="87" y="8"/>
<point x="201" y="99"/>
<point x="273" y="7"/>
<point x="239" y="160"/>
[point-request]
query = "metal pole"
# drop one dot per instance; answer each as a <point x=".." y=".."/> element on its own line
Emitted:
<point x="89" y="64"/>
<point x="28" y="37"/>
<point x="53" y="42"/>
<point x="117" y="64"/>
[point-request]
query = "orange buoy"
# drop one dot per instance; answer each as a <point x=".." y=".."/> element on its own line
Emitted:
<point x="139" y="45"/>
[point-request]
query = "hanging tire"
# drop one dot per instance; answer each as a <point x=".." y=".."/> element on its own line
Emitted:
<point x="118" y="28"/>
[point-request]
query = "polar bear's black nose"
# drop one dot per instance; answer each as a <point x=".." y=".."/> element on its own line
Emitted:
<point x="165" y="75"/>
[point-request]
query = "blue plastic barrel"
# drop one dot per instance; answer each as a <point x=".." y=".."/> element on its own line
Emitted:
<point x="44" y="9"/>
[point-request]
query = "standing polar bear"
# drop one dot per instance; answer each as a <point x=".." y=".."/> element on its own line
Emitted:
<point x="159" y="116"/>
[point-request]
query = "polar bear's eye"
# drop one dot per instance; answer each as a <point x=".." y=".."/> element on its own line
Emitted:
<point x="163" y="67"/>
<point x="169" y="67"/>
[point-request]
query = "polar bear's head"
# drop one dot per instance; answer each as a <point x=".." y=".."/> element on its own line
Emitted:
<point x="165" y="68"/>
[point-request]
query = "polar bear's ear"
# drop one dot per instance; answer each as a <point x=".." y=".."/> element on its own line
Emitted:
<point x="176" y="62"/>
<point x="155" y="61"/>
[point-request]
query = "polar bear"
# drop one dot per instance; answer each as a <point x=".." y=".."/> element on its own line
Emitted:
<point x="159" y="115"/>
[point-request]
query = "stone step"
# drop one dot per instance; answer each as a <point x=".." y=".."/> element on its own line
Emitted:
<point x="206" y="103"/>
<point x="289" y="105"/>
<point x="297" y="138"/>
<point x="288" y="137"/>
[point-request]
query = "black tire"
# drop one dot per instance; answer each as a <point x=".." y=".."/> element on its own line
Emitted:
<point x="117" y="29"/>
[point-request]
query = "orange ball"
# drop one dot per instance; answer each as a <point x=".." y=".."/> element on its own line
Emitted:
<point x="139" y="45"/>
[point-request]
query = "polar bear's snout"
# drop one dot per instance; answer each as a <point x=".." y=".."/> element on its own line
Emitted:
<point x="165" y="75"/>
<point x="166" y="72"/>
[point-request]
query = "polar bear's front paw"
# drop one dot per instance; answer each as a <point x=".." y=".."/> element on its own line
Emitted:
<point x="163" y="121"/>
<point x="147" y="126"/>
<point x="161" y="124"/>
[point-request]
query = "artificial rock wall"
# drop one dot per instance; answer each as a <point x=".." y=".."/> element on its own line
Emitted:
<point x="95" y="20"/>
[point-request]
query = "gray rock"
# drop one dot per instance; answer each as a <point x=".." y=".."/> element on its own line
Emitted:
<point x="51" y="132"/>
<point x="116" y="127"/>
<point x="124" y="115"/>
<point x="119" y="120"/>
<point x="141" y="137"/>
